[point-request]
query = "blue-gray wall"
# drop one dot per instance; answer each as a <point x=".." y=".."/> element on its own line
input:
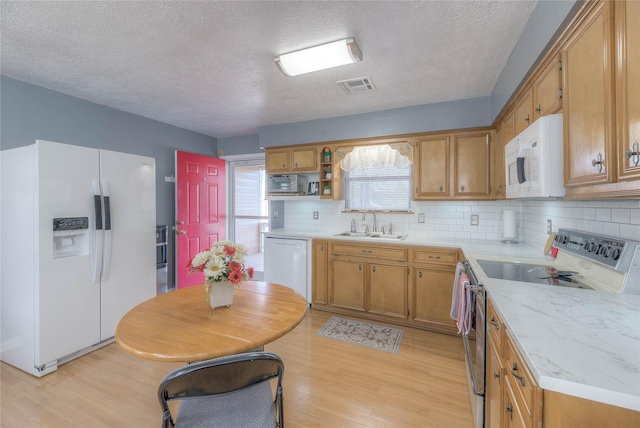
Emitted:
<point x="29" y="112"/>
<point x="541" y="31"/>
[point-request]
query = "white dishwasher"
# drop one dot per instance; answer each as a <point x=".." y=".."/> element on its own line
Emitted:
<point x="286" y="263"/>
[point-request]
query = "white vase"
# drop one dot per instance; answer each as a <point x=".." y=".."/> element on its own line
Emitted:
<point x="221" y="294"/>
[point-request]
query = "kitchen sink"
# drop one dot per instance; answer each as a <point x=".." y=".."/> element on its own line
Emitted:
<point x="354" y="234"/>
<point x="373" y="235"/>
<point x="383" y="236"/>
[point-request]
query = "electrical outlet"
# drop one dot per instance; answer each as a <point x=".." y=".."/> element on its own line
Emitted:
<point x="420" y="217"/>
<point x="475" y="219"/>
<point x="549" y="226"/>
<point x="315" y="215"/>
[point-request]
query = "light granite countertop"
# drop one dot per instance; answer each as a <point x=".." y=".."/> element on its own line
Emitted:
<point x="583" y="343"/>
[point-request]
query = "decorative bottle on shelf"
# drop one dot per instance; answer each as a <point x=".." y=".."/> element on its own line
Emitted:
<point x="353" y="225"/>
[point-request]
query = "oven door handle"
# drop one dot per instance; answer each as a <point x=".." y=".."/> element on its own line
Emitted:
<point x="467" y="349"/>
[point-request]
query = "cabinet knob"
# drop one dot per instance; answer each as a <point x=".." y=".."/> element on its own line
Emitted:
<point x="597" y="162"/>
<point x="526" y="119"/>
<point x="420" y="274"/>
<point x="359" y="267"/>
<point x="514" y="372"/>
<point x="496" y="375"/>
<point x="373" y="268"/>
<point x="462" y="188"/>
<point x="509" y="410"/>
<point x="442" y="188"/>
<point x="493" y="322"/>
<point x="538" y="109"/>
<point x="295" y="164"/>
<point x="283" y="165"/>
<point x="633" y="154"/>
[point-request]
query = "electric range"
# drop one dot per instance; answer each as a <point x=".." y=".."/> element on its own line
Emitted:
<point x="582" y="260"/>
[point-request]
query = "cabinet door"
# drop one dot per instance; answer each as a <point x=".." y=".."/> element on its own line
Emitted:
<point x="509" y="127"/>
<point x="432" y="169"/>
<point x="304" y="159"/>
<point x="319" y="292"/>
<point x="472" y="157"/>
<point x="388" y="290"/>
<point x="493" y="391"/>
<point x="277" y="161"/>
<point x="587" y="62"/>
<point x="523" y="112"/>
<point x="547" y="98"/>
<point x="347" y="284"/>
<point x="431" y="297"/>
<point x="499" y="179"/>
<point x="512" y="415"/>
<point x="628" y="89"/>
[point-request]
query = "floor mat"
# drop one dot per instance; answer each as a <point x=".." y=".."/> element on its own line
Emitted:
<point x="375" y="336"/>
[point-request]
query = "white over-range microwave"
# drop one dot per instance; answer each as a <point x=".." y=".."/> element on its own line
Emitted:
<point x="534" y="160"/>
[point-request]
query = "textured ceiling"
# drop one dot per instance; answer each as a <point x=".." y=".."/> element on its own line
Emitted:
<point x="207" y="66"/>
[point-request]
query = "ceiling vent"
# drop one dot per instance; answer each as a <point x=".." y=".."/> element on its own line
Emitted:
<point x="360" y="84"/>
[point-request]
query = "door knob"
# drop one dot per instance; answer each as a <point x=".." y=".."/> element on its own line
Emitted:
<point x="182" y="232"/>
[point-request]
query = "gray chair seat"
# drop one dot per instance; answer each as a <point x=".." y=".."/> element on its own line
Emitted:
<point x="232" y="391"/>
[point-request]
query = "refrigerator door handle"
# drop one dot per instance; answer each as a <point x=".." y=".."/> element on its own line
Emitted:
<point x="106" y="263"/>
<point x="97" y="234"/>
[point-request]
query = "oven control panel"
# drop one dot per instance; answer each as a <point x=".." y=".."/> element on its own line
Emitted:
<point x="612" y="252"/>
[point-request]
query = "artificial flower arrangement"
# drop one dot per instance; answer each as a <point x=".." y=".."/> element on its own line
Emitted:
<point x="224" y="261"/>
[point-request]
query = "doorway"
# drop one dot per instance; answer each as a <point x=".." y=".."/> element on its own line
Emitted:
<point x="248" y="209"/>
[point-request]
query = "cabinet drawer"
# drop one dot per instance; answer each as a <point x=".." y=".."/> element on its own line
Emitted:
<point x="524" y="386"/>
<point x="495" y="327"/>
<point x="435" y="256"/>
<point x="389" y="253"/>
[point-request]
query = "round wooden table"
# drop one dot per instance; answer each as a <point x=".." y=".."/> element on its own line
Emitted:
<point x="181" y="326"/>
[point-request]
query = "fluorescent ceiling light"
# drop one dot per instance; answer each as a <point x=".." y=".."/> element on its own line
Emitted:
<point x="321" y="57"/>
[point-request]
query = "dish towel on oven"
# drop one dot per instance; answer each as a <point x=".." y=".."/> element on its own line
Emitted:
<point x="462" y="302"/>
<point x="455" y="292"/>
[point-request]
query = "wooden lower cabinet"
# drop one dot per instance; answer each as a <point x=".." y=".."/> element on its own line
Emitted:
<point x="431" y="297"/>
<point x="493" y="387"/>
<point x="347" y="284"/>
<point x="513" y="416"/>
<point x="320" y="272"/>
<point x="565" y="411"/>
<point x="387" y="290"/>
<point x="406" y="285"/>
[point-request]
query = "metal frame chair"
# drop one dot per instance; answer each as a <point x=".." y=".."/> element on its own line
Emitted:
<point x="231" y="391"/>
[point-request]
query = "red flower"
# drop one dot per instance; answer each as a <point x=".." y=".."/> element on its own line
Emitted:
<point x="235" y="266"/>
<point x="189" y="263"/>
<point x="235" y="276"/>
<point x="229" y="250"/>
<point x="250" y="272"/>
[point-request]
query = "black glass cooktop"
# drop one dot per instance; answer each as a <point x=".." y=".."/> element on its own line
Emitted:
<point x="538" y="274"/>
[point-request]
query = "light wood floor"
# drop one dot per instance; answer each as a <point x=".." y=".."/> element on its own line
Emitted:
<point x="327" y="383"/>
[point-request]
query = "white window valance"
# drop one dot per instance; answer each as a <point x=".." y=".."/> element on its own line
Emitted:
<point x="374" y="157"/>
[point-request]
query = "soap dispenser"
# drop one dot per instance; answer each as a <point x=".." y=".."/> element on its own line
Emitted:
<point x="353" y="225"/>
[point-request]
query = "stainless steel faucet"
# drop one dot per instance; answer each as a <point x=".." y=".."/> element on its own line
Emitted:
<point x="375" y="221"/>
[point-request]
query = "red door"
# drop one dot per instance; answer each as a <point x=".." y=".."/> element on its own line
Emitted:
<point x="201" y="214"/>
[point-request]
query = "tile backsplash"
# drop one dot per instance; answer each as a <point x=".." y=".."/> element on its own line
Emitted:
<point x="452" y="219"/>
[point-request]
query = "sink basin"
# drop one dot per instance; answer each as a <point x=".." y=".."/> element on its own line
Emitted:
<point x="383" y="236"/>
<point x="374" y="235"/>
<point x="354" y="234"/>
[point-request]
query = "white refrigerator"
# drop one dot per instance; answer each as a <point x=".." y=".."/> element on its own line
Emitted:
<point x="77" y="249"/>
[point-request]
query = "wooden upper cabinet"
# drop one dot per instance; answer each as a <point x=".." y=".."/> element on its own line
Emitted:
<point x="295" y="159"/>
<point x="547" y="92"/>
<point x="508" y="127"/>
<point x="587" y="62"/>
<point x="431" y="172"/>
<point x="523" y="112"/>
<point x="472" y="154"/>
<point x="277" y="161"/>
<point x="627" y="30"/>
<point x="304" y="159"/>
<point x="499" y="186"/>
